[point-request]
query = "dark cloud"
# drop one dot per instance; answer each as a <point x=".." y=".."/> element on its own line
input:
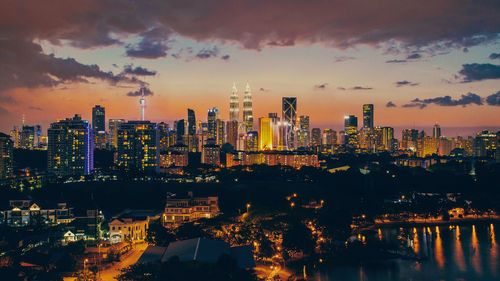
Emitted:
<point x="494" y="56"/>
<point x="152" y="45"/>
<point x="414" y="56"/>
<point x="405" y="83"/>
<point x="3" y="111"/>
<point x="208" y="53"/>
<point x="361" y="88"/>
<point x="390" y="104"/>
<point x="321" y="86"/>
<point x="225" y="57"/>
<point x="343" y="58"/>
<point x="396" y="61"/>
<point x="341" y="88"/>
<point x="7" y="100"/>
<point x="264" y="90"/>
<point x="35" y="108"/>
<point x="464" y="100"/>
<point x="465" y="50"/>
<point x="493" y="99"/>
<point x="477" y="72"/>
<point x="138" y="70"/>
<point x="145" y="90"/>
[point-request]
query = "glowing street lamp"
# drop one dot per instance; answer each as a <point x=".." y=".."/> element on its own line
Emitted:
<point x="248" y="206"/>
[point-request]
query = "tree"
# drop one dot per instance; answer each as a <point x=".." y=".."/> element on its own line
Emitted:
<point x="298" y="238"/>
<point x="159" y="235"/>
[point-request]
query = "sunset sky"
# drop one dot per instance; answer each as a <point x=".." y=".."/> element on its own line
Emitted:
<point x="418" y="62"/>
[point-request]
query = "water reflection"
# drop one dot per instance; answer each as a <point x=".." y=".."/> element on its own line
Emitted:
<point x="476" y="257"/>
<point x="459" y="253"/>
<point x="493" y="252"/>
<point x="438" y="249"/>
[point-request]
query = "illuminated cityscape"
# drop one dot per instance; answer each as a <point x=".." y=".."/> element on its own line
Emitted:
<point x="249" y="140"/>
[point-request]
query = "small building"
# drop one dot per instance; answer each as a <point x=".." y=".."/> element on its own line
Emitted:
<point x="180" y="209"/>
<point x="130" y="225"/>
<point x="22" y="212"/>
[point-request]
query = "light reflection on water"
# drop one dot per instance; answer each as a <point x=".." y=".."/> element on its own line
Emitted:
<point x="466" y="252"/>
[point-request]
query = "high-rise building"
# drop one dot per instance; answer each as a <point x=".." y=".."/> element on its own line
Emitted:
<point x="351" y="131"/>
<point x="180" y="131"/>
<point x="234" y="105"/>
<point x="329" y="137"/>
<point x="265" y="134"/>
<point x="138" y="147"/>
<point x="289" y="118"/>
<point x="387" y="137"/>
<point x="70" y="147"/>
<point x="409" y="139"/>
<point x="220" y="132"/>
<point x="275" y="126"/>
<point x="114" y="125"/>
<point x="98" y="118"/>
<point x="232" y="132"/>
<point x="252" y="141"/>
<point x="436" y="131"/>
<point x="164" y="136"/>
<point x="303" y="133"/>
<point x="211" y="124"/>
<point x="247" y="109"/>
<point x="485" y="144"/>
<point x="316" y="137"/>
<point x="368" y="116"/>
<point x="191" y="122"/>
<point x="27" y="137"/>
<point x="6" y="160"/>
<point x="210" y="155"/>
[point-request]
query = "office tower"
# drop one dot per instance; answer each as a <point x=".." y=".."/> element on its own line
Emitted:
<point x="316" y="137"/>
<point x="138" y="144"/>
<point x="275" y="126"/>
<point x="444" y="146"/>
<point x="211" y="124"/>
<point x="409" y="139"/>
<point x="329" y="137"/>
<point x="219" y="134"/>
<point x="303" y="132"/>
<point x="368" y="116"/>
<point x="232" y="133"/>
<point x="265" y="133"/>
<point x="210" y="155"/>
<point x="191" y="122"/>
<point x="436" y="131"/>
<point x="180" y="131"/>
<point x="283" y="128"/>
<point x="429" y="146"/>
<point x="70" y="147"/>
<point x="387" y="137"/>
<point x="247" y="109"/>
<point x="98" y="118"/>
<point x="114" y="125"/>
<point x="15" y="136"/>
<point x="6" y="160"/>
<point x="27" y="137"/>
<point x="38" y="136"/>
<point x="252" y="141"/>
<point x="351" y="131"/>
<point x="485" y="144"/>
<point x="164" y="136"/>
<point x="234" y="105"/>
<point x="289" y="117"/>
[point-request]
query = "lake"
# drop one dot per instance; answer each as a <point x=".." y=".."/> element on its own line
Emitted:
<point x="465" y="252"/>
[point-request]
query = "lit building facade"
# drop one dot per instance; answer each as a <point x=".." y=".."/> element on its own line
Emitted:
<point x="265" y="134"/>
<point x="368" y="116"/>
<point x="295" y="159"/>
<point x="316" y="137"/>
<point x="114" y="125"/>
<point x="234" y="105"/>
<point x="180" y="210"/>
<point x="70" y="147"/>
<point x="138" y="149"/>
<point x="248" y="109"/>
<point x="486" y="144"/>
<point x="210" y="155"/>
<point x="289" y="117"/>
<point x="351" y="131"/>
<point x="6" y="156"/>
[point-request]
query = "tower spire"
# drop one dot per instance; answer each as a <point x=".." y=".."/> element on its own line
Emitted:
<point x="234" y="105"/>
<point x="142" y="102"/>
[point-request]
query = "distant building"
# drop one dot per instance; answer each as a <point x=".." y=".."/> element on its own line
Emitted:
<point x="486" y="144"/>
<point x="248" y="110"/>
<point x="114" y="125"/>
<point x="316" y="137"/>
<point x="70" y="147"/>
<point x="252" y="141"/>
<point x="265" y="134"/>
<point x="289" y="119"/>
<point x="351" y="131"/>
<point x="368" y="116"/>
<point x="436" y="131"/>
<point x="181" y="209"/>
<point x="232" y="132"/>
<point x="210" y="155"/>
<point x="27" y="140"/>
<point x="131" y="225"/>
<point x="24" y="212"/>
<point x="138" y="149"/>
<point x="234" y="106"/>
<point x="173" y="158"/>
<point x="295" y="159"/>
<point x="387" y="138"/>
<point x="98" y="118"/>
<point x="6" y="156"/>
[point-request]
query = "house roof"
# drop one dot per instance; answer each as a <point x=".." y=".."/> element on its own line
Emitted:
<point x="152" y="254"/>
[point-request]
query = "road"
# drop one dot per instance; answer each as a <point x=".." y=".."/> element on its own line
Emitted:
<point x="127" y="259"/>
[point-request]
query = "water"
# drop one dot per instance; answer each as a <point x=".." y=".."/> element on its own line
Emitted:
<point x="461" y="253"/>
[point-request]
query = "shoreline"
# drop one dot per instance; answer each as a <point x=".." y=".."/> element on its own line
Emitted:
<point x="463" y="221"/>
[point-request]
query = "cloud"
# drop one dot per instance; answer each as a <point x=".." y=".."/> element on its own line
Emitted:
<point x="7" y="100"/>
<point x="225" y="57"/>
<point x="477" y="72"/>
<point x="3" y="111"/>
<point x="138" y="70"/>
<point x="396" y="61"/>
<point x="35" y="108"/>
<point x="145" y="90"/>
<point x="493" y="99"/>
<point x="414" y="56"/>
<point x="494" y="56"/>
<point x="321" y="86"/>
<point x="405" y="83"/>
<point x="153" y="44"/>
<point x="361" y="88"/>
<point x="390" y="104"/>
<point x="206" y="53"/>
<point x="343" y="58"/>
<point x="464" y="100"/>
<point x="341" y="88"/>
<point x="264" y="90"/>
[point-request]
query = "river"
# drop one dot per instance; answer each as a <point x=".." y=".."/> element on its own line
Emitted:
<point x="457" y="252"/>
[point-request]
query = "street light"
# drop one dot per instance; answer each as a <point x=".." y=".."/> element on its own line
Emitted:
<point x="248" y="206"/>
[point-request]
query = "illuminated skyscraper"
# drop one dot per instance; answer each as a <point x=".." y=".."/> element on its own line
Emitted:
<point x="234" y="105"/>
<point x="351" y="131"/>
<point x="142" y="103"/>
<point x="387" y="137"/>
<point x="436" y="131"/>
<point x="303" y="133"/>
<point x="27" y="140"/>
<point x="275" y="126"/>
<point x="316" y="137"/>
<point x="232" y="132"/>
<point x="211" y="124"/>
<point x="220" y="130"/>
<point x="191" y="122"/>
<point x="6" y="160"/>
<point x="486" y="144"/>
<point x="247" y="109"/>
<point x="409" y="139"/>
<point x="265" y="134"/>
<point x="70" y="147"/>
<point x="368" y="116"/>
<point x="289" y="117"/>
<point x="180" y="131"/>
<point x="138" y="147"/>
<point x="329" y="137"/>
<point x="114" y="125"/>
<point x="98" y="118"/>
<point x="252" y="141"/>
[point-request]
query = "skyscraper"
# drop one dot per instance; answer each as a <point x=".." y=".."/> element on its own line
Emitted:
<point x="316" y="137"/>
<point x="368" y="116"/>
<point x="114" y="125"/>
<point x="303" y="132"/>
<point x="265" y="134"/>
<point x="180" y="131"/>
<point x="98" y="118"/>
<point x="27" y="140"/>
<point x="219" y="134"/>
<point x="387" y="137"/>
<point x="138" y="147"/>
<point x="247" y="109"/>
<point x="70" y="147"/>
<point x="232" y="132"/>
<point x="191" y="122"/>
<point x="211" y="124"/>
<point x="436" y="131"/>
<point x="289" y="118"/>
<point x="234" y="105"/>
<point x="6" y="160"/>
<point x="351" y="131"/>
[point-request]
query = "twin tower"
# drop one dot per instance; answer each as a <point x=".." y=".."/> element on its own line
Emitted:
<point x="234" y="108"/>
